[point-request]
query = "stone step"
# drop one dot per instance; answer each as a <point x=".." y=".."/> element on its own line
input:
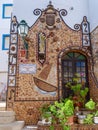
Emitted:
<point x="2" y="108"/>
<point x="16" y="125"/>
<point x="33" y="127"/>
<point x="7" y="117"/>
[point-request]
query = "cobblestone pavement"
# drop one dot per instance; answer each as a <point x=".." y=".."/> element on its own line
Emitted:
<point x="30" y="128"/>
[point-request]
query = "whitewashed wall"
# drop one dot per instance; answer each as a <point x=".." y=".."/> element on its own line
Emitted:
<point x="24" y="9"/>
<point x="93" y="13"/>
<point x="4" y="29"/>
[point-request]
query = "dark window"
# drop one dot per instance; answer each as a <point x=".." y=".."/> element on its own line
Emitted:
<point x="73" y="63"/>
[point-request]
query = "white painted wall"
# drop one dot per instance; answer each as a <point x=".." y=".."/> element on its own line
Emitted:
<point x="24" y="10"/>
<point x="93" y="13"/>
<point x="4" y="29"/>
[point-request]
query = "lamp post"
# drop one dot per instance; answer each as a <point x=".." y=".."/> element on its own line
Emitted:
<point x="23" y="31"/>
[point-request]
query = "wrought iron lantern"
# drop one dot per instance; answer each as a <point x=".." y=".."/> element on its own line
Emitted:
<point x="23" y="31"/>
<point x="23" y="28"/>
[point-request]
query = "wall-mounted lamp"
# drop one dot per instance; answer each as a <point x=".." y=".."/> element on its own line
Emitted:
<point x="23" y="31"/>
<point x="23" y="28"/>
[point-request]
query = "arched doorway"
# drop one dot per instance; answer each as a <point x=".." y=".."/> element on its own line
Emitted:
<point x="73" y="63"/>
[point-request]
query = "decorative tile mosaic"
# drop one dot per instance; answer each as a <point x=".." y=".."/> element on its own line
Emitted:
<point x="12" y="69"/>
<point x="14" y="38"/>
<point x="12" y="81"/>
<point x="13" y="48"/>
<point x="12" y="59"/>
<point x="27" y="68"/>
<point x="39" y="83"/>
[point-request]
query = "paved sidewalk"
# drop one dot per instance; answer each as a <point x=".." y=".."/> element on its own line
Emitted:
<point x="30" y="128"/>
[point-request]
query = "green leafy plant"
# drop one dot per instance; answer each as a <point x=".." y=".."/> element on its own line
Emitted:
<point x="45" y="112"/>
<point x="68" y="108"/>
<point x="96" y="117"/>
<point x="88" y="119"/>
<point x="96" y="113"/>
<point x="91" y="105"/>
<point x="79" y="91"/>
<point x="59" y="113"/>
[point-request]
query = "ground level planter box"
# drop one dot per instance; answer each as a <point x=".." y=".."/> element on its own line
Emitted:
<point x="72" y="127"/>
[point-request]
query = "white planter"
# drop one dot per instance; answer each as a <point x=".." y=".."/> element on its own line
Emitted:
<point x="96" y="119"/>
<point x="44" y="121"/>
<point x="81" y="119"/>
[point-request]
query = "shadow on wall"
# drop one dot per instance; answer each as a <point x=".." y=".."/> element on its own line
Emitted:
<point x="3" y="88"/>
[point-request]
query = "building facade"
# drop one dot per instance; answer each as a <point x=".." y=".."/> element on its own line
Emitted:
<point x="58" y="45"/>
<point x="5" y="15"/>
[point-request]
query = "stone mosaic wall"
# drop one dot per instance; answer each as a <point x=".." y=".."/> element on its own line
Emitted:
<point x="46" y="74"/>
<point x="38" y="80"/>
<point x="94" y="41"/>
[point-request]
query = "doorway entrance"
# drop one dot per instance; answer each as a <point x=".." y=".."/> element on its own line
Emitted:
<point x="73" y="63"/>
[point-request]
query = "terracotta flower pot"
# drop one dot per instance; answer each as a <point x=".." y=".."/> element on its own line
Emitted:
<point x="71" y="120"/>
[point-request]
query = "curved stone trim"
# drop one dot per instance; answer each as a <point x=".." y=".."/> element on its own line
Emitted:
<point x="83" y="51"/>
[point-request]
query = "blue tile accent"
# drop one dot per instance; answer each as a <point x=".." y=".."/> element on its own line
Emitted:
<point x="3" y="11"/>
<point x="3" y="41"/>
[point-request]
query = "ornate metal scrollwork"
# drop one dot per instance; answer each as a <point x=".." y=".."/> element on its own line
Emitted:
<point x="63" y="12"/>
<point x="37" y="12"/>
<point x="77" y="27"/>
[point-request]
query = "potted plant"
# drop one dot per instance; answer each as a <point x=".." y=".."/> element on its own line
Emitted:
<point x="45" y="114"/>
<point x="65" y="112"/>
<point x="88" y="119"/>
<point x="79" y="91"/>
<point x="68" y="110"/>
<point x="86" y="116"/>
<point x="79" y="97"/>
<point x="96" y="117"/>
<point x="90" y="105"/>
<point x="60" y="113"/>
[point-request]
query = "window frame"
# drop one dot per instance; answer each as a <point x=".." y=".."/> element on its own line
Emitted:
<point x="3" y="41"/>
<point x="3" y="11"/>
<point x="66" y="59"/>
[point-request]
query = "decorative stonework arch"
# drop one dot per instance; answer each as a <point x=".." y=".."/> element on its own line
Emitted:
<point x="80" y="50"/>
